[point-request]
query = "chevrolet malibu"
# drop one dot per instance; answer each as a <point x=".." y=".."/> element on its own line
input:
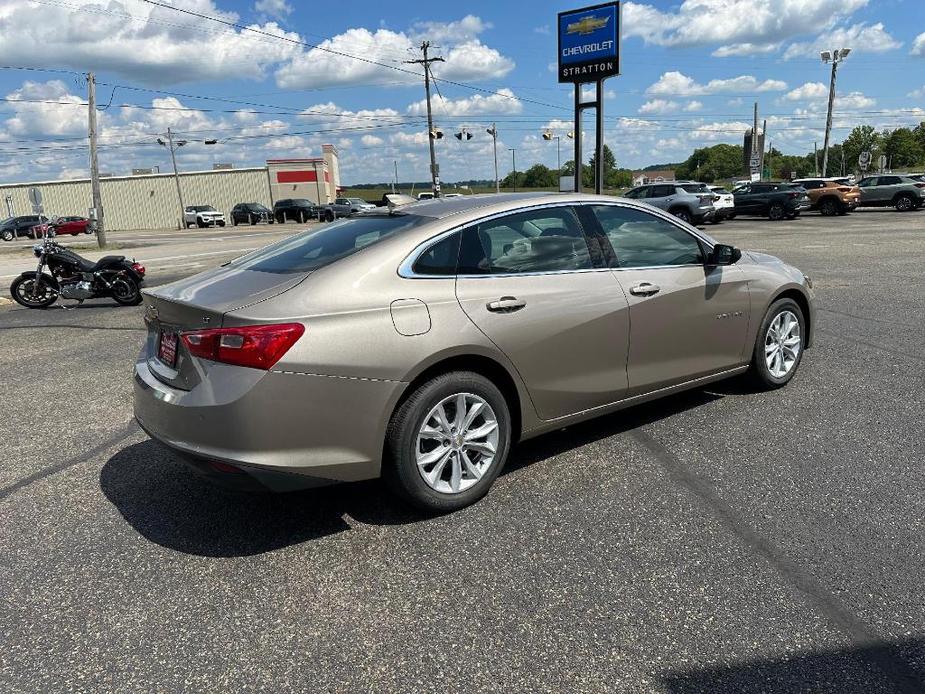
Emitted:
<point x="419" y="344"/>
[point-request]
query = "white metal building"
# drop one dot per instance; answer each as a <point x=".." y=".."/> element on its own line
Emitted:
<point x="150" y="201"/>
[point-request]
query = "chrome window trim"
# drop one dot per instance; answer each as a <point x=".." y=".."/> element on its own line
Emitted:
<point x="405" y="269"/>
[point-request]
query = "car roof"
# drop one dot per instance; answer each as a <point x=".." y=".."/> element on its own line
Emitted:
<point x="440" y="208"/>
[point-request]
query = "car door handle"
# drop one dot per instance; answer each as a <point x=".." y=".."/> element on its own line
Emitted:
<point x="645" y="289"/>
<point x="506" y="304"/>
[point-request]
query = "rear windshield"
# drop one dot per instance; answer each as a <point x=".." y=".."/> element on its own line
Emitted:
<point x="314" y="249"/>
<point x="695" y="188"/>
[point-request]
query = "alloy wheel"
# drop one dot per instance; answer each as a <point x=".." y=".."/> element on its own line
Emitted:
<point x="782" y="344"/>
<point x="457" y="443"/>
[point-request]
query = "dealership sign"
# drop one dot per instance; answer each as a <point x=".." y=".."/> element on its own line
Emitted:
<point x="589" y="43"/>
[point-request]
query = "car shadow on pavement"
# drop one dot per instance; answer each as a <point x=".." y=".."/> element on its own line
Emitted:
<point x="170" y="504"/>
<point x="883" y="666"/>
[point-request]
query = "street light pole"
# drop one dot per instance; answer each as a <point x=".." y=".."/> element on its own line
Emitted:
<point x="835" y="57"/>
<point x="96" y="197"/>
<point x="493" y="131"/>
<point x="514" y="165"/>
<point x="434" y="171"/>
<point x="173" y="146"/>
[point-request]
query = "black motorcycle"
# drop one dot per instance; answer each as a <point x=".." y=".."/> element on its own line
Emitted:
<point x="74" y="277"/>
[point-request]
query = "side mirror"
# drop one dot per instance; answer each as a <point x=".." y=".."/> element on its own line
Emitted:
<point x="724" y="255"/>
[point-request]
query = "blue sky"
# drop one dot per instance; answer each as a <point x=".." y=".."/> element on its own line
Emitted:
<point x="691" y="71"/>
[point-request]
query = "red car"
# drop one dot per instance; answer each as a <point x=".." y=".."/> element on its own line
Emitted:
<point x="66" y="225"/>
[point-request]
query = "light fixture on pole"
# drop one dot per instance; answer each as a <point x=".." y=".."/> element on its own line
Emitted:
<point x="464" y="134"/>
<point x="173" y="146"/>
<point x="548" y="136"/>
<point x="493" y="131"/>
<point x="834" y="57"/>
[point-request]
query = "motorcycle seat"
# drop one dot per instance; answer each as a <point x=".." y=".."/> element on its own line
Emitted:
<point x="90" y="266"/>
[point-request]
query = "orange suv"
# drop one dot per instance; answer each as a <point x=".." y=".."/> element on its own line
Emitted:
<point x="830" y="196"/>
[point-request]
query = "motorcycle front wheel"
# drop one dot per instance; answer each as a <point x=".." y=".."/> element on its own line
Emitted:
<point x="32" y="293"/>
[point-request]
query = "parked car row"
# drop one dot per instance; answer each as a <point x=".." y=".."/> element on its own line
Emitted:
<point x="698" y="203"/>
<point x="34" y="225"/>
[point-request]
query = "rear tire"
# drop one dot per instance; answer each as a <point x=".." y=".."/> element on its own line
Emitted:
<point x="769" y="370"/>
<point x="776" y="212"/>
<point x="425" y="464"/>
<point x="828" y="208"/>
<point x="126" y="292"/>
<point x="904" y="203"/>
<point x="683" y="215"/>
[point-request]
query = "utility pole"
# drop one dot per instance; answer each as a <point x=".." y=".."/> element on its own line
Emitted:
<point x="493" y="131"/>
<point x="395" y="184"/>
<point x="173" y="146"/>
<point x="426" y="61"/>
<point x="836" y="57"/>
<point x="97" y="199"/>
<point x="816" y="158"/>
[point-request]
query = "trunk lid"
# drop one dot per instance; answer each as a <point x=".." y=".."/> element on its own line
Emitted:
<point x="197" y="303"/>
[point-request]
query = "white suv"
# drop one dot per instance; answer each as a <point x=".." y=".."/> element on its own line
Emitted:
<point x="202" y="216"/>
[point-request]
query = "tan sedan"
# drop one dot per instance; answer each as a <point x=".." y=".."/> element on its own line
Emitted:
<point x="421" y="344"/>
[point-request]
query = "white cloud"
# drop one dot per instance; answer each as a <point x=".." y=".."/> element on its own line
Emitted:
<point x="861" y="38"/>
<point x="274" y="8"/>
<point x="745" y="49"/>
<point x="810" y="90"/>
<point x="693" y="106"/>
<point x="917" y="93"/>
<point x="726" y="22"/>
<point x="658" y="106"/>
<point x="331" y="115"/>
<point x="853" y="101"/>
<point x="372" y="140"/>
<point x="332" y="63"/>
<point x="460" y="31"/>
<point x="544" y="30"/>
<point x="504" y="102"/>
<point x="918" y="46"/>
<point x="678" y="84"/>
<point x="46" y="118"/>
<point x="146" y="43"/>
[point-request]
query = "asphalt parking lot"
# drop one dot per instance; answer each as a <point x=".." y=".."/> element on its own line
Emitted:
<point x="722" y="540"/>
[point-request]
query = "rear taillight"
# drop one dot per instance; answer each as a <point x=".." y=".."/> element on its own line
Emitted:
<point x="716" y="198"/>
<point x="919" y="185"/>
<point x="139" y="268"/>
<point x="254" y="346"/>
<point x="794" y="195"/>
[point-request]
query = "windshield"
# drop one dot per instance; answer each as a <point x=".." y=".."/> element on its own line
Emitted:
<point x="314" y="249"/>
<point x="302" y="202"/>
<point x="356" y="201"/>
<point x="202" y="208"/>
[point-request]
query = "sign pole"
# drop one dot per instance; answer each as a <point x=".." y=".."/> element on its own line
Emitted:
<point x="599" y="150"/>
<point x="578" y="137"/>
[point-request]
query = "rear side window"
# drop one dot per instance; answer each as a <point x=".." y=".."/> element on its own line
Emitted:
<point x="440" y="259"/>
<point x="314" y="249"/>
<point x="544" y="240"/>
<point x="691" y="188"/>
<point x="890" y="180"/>
<point x="661" y="191"/>
<point x="641" y="239"/>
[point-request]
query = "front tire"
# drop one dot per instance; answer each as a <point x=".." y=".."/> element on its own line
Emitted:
<point x="779" y="345"/>
<point x="6" y="235"/>
<point x="31" y="294"/>
<point x="447" y="442"/>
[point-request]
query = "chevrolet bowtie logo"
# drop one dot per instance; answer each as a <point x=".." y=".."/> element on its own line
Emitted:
<point x="587" y="25"/>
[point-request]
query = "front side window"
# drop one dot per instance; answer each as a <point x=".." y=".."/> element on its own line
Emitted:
<point x="314" y="249"/>
<point x="635" y="194"/>
<point x="545" y="240"/>
<point x="641" y="239"/>
<point x="890" y="180"/>
<point x="661" y="191"/>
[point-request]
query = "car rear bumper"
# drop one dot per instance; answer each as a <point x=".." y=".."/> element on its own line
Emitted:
<point x="272" y="425"/>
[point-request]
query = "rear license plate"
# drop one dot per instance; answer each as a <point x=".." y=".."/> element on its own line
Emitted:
<point x="167" y="349"/>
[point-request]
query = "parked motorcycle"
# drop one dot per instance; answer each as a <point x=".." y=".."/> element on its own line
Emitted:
<point x="70" y="276"/>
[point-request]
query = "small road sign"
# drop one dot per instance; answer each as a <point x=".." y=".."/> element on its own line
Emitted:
<point x="864" y="161"/>
<point x="35" y="197"/>
<point x="881" y="162"/>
